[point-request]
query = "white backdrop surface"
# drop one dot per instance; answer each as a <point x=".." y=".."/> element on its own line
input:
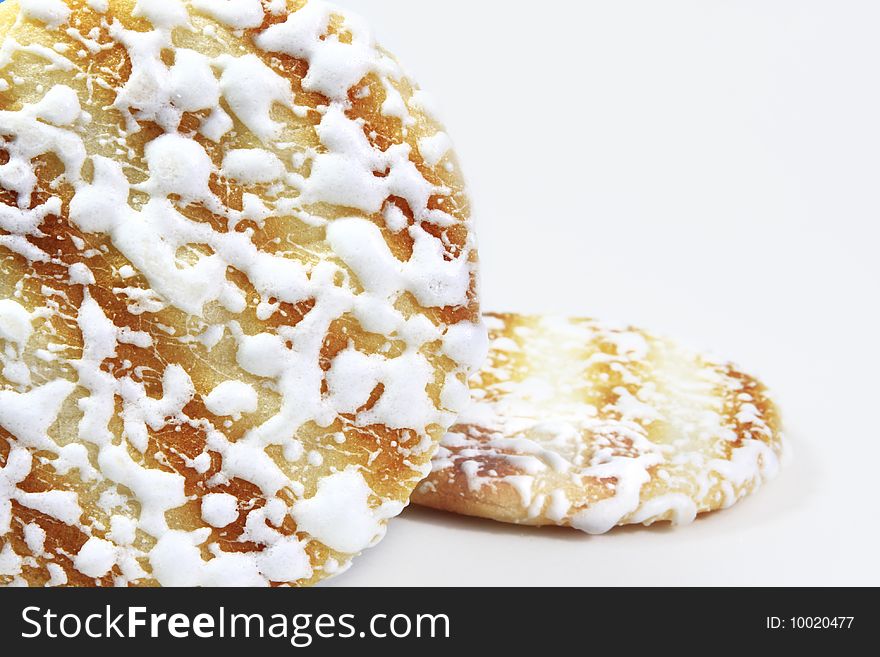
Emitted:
<point x="706" y="169"/>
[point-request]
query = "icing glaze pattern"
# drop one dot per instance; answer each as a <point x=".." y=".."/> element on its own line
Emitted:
<point x="234" y="251"/>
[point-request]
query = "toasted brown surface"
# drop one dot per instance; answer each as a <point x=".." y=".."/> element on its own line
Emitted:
<point x="581" y="423"/>
<point x="126" y="351"/>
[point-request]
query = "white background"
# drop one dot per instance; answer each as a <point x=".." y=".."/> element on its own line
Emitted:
<point x="706" y="169"/>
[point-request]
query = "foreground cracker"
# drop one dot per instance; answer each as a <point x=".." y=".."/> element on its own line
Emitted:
<point x="578" y="423"/>
<point x="236" y="291"/>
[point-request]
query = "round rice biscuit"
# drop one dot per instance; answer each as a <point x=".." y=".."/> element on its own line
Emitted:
<point x="237" y="291"/>
<point x="580" y="423"/>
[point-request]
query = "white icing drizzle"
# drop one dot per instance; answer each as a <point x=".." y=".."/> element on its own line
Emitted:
<point x="595" y="425"/>
<point x="334" y="66"/>
<point x="232" y="398"/>
<point x="340" y="515"/>
<point x="434" y="148"/>
<point x="238" y="14"/>
<point x="252" y="165"/>
<point x="219" y="509"/>
<point x="143" y="208"/>
<point x="51" y="12"/>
